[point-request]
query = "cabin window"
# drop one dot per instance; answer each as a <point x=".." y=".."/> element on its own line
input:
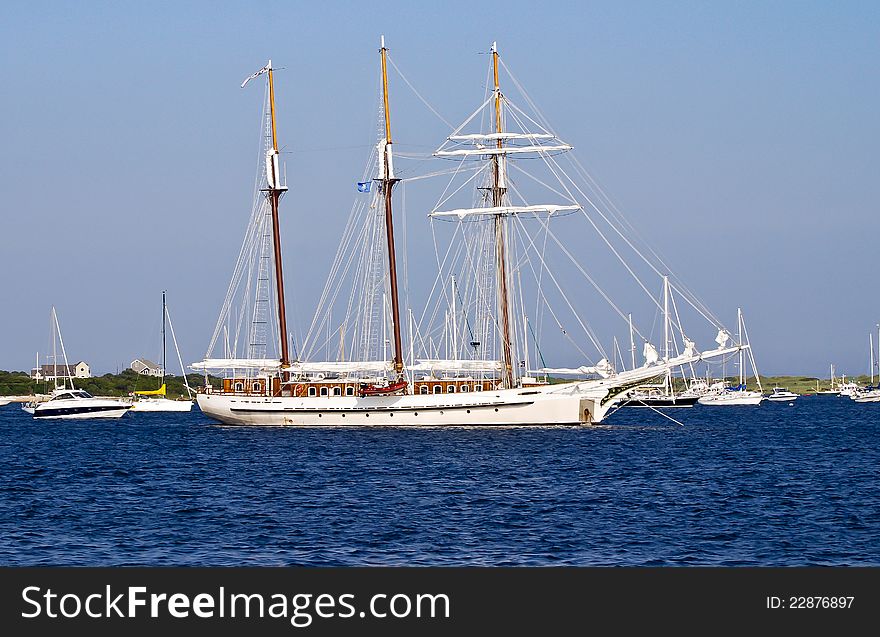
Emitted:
<point x="450" y="389"/>
<point x="337" y="391"/>
<point x="438" y="389"/>
<point x="239" y="386"/>
<point x="465" y="388"/>
<point x="313" y="391"/>
<point x="349" y="391"/>
<point x="478" y="387"/>
<point x="324" y="391"/>
<point x="257" y="388"/>
<point x="423" y="389"/>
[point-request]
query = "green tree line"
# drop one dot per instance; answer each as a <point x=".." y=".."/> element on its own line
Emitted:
<point x="122" y="384"/>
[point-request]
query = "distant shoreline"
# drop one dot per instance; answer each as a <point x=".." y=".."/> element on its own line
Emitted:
<point x="15" y="385"/>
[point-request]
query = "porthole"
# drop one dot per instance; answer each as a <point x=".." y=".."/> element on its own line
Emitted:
<point x="319" y="415"/>
<point x="496" y="409"/>
<point x="468" y="411"/>
<point x="391" y="415"/>
<point x="367" y="415"/>
<point x="415" y="413"/>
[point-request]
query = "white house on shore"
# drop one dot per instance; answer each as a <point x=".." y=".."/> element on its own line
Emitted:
<point x="146" y="367"/>
<point x="53" y="372"/>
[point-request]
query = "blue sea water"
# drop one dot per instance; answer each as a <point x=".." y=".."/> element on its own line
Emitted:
<point x="772" y="485"/>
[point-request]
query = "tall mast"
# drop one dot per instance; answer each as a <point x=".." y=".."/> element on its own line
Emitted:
<point x="162" y="368"/>
<point x="274" y="192"/>
<point x="668" y="380"/>
<point x="739" y="322"/>
<point x="632" y="341"/>
<point x="388" y="181"/>
<point x="498" y="190"/>
<point x="54" y="322"/>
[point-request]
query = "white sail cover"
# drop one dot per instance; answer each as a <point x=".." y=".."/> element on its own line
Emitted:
<point x="505" y="150"/>
<point x="339" y="366"/>
<point x="431" y="364"/>
<point x="603" y="368"/>
<point x="237" y="363"/>
<point x="497" y="136"/>
<point x="650" y="354"/>
<point x="501" y="210"/>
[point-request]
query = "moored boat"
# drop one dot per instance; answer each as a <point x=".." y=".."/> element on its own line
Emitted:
<point x="477" y="380"/>
<point x="76" y="404"/>
<point x="780" y="394"/>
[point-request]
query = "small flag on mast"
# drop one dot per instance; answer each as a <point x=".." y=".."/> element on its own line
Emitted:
<point x="268" y="67"/>
<point x="364" y="186"/>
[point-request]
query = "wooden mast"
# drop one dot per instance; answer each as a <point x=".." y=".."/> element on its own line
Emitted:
<point x="498" y="190"/>
<point x="274" y="192"/>
<point x="388" y="182"/>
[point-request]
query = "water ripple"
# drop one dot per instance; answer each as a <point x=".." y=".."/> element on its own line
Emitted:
<point x="771" y="486"/>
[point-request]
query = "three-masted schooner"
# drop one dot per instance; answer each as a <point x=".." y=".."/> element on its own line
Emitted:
<point x="471" y="391"/>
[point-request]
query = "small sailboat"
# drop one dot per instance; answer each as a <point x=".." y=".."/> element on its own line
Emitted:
<point x="833" y="389"/>
<point x="661" y="395"/>
<point x="738" y="395"/>
<point x="69" y="402"/>
<point x="155" y="399"/>
<point x="869" y="394"/>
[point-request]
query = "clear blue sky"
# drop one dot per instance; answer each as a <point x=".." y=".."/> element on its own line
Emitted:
<point x="740" y="137"/>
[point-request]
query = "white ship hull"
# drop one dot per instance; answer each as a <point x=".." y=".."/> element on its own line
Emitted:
<point x="5" y="401"/>
<point x="161" y="404"/>
<point x="732" y="399"/>
<point x="564" y="404"/>
<point x="781" y="399"/>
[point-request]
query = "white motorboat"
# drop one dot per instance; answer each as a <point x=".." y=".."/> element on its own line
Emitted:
<point x="780" y="394"/>
<point x="866" y="395"/>
<point x="76" y="403"/>
<point x="70" y="402"/>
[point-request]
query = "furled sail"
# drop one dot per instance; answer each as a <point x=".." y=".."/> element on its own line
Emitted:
<point x="152" y="392"/>
<point x="502" y="210"/>
<point x="504" y="150"/>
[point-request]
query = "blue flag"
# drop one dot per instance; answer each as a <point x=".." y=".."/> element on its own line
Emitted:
<point x="364" y="186"/>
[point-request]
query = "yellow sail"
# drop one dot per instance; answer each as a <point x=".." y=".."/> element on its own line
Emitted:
<point x="154" y="392"/>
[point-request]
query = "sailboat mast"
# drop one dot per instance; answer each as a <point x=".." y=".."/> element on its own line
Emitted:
<point x="275" y="190"/>
<point x="739" y="322"/>
<point x="388" y="182"/>
<point x="162" y="368"/>
<point x="632" y="341"/>
<point x="498" y="191"/>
